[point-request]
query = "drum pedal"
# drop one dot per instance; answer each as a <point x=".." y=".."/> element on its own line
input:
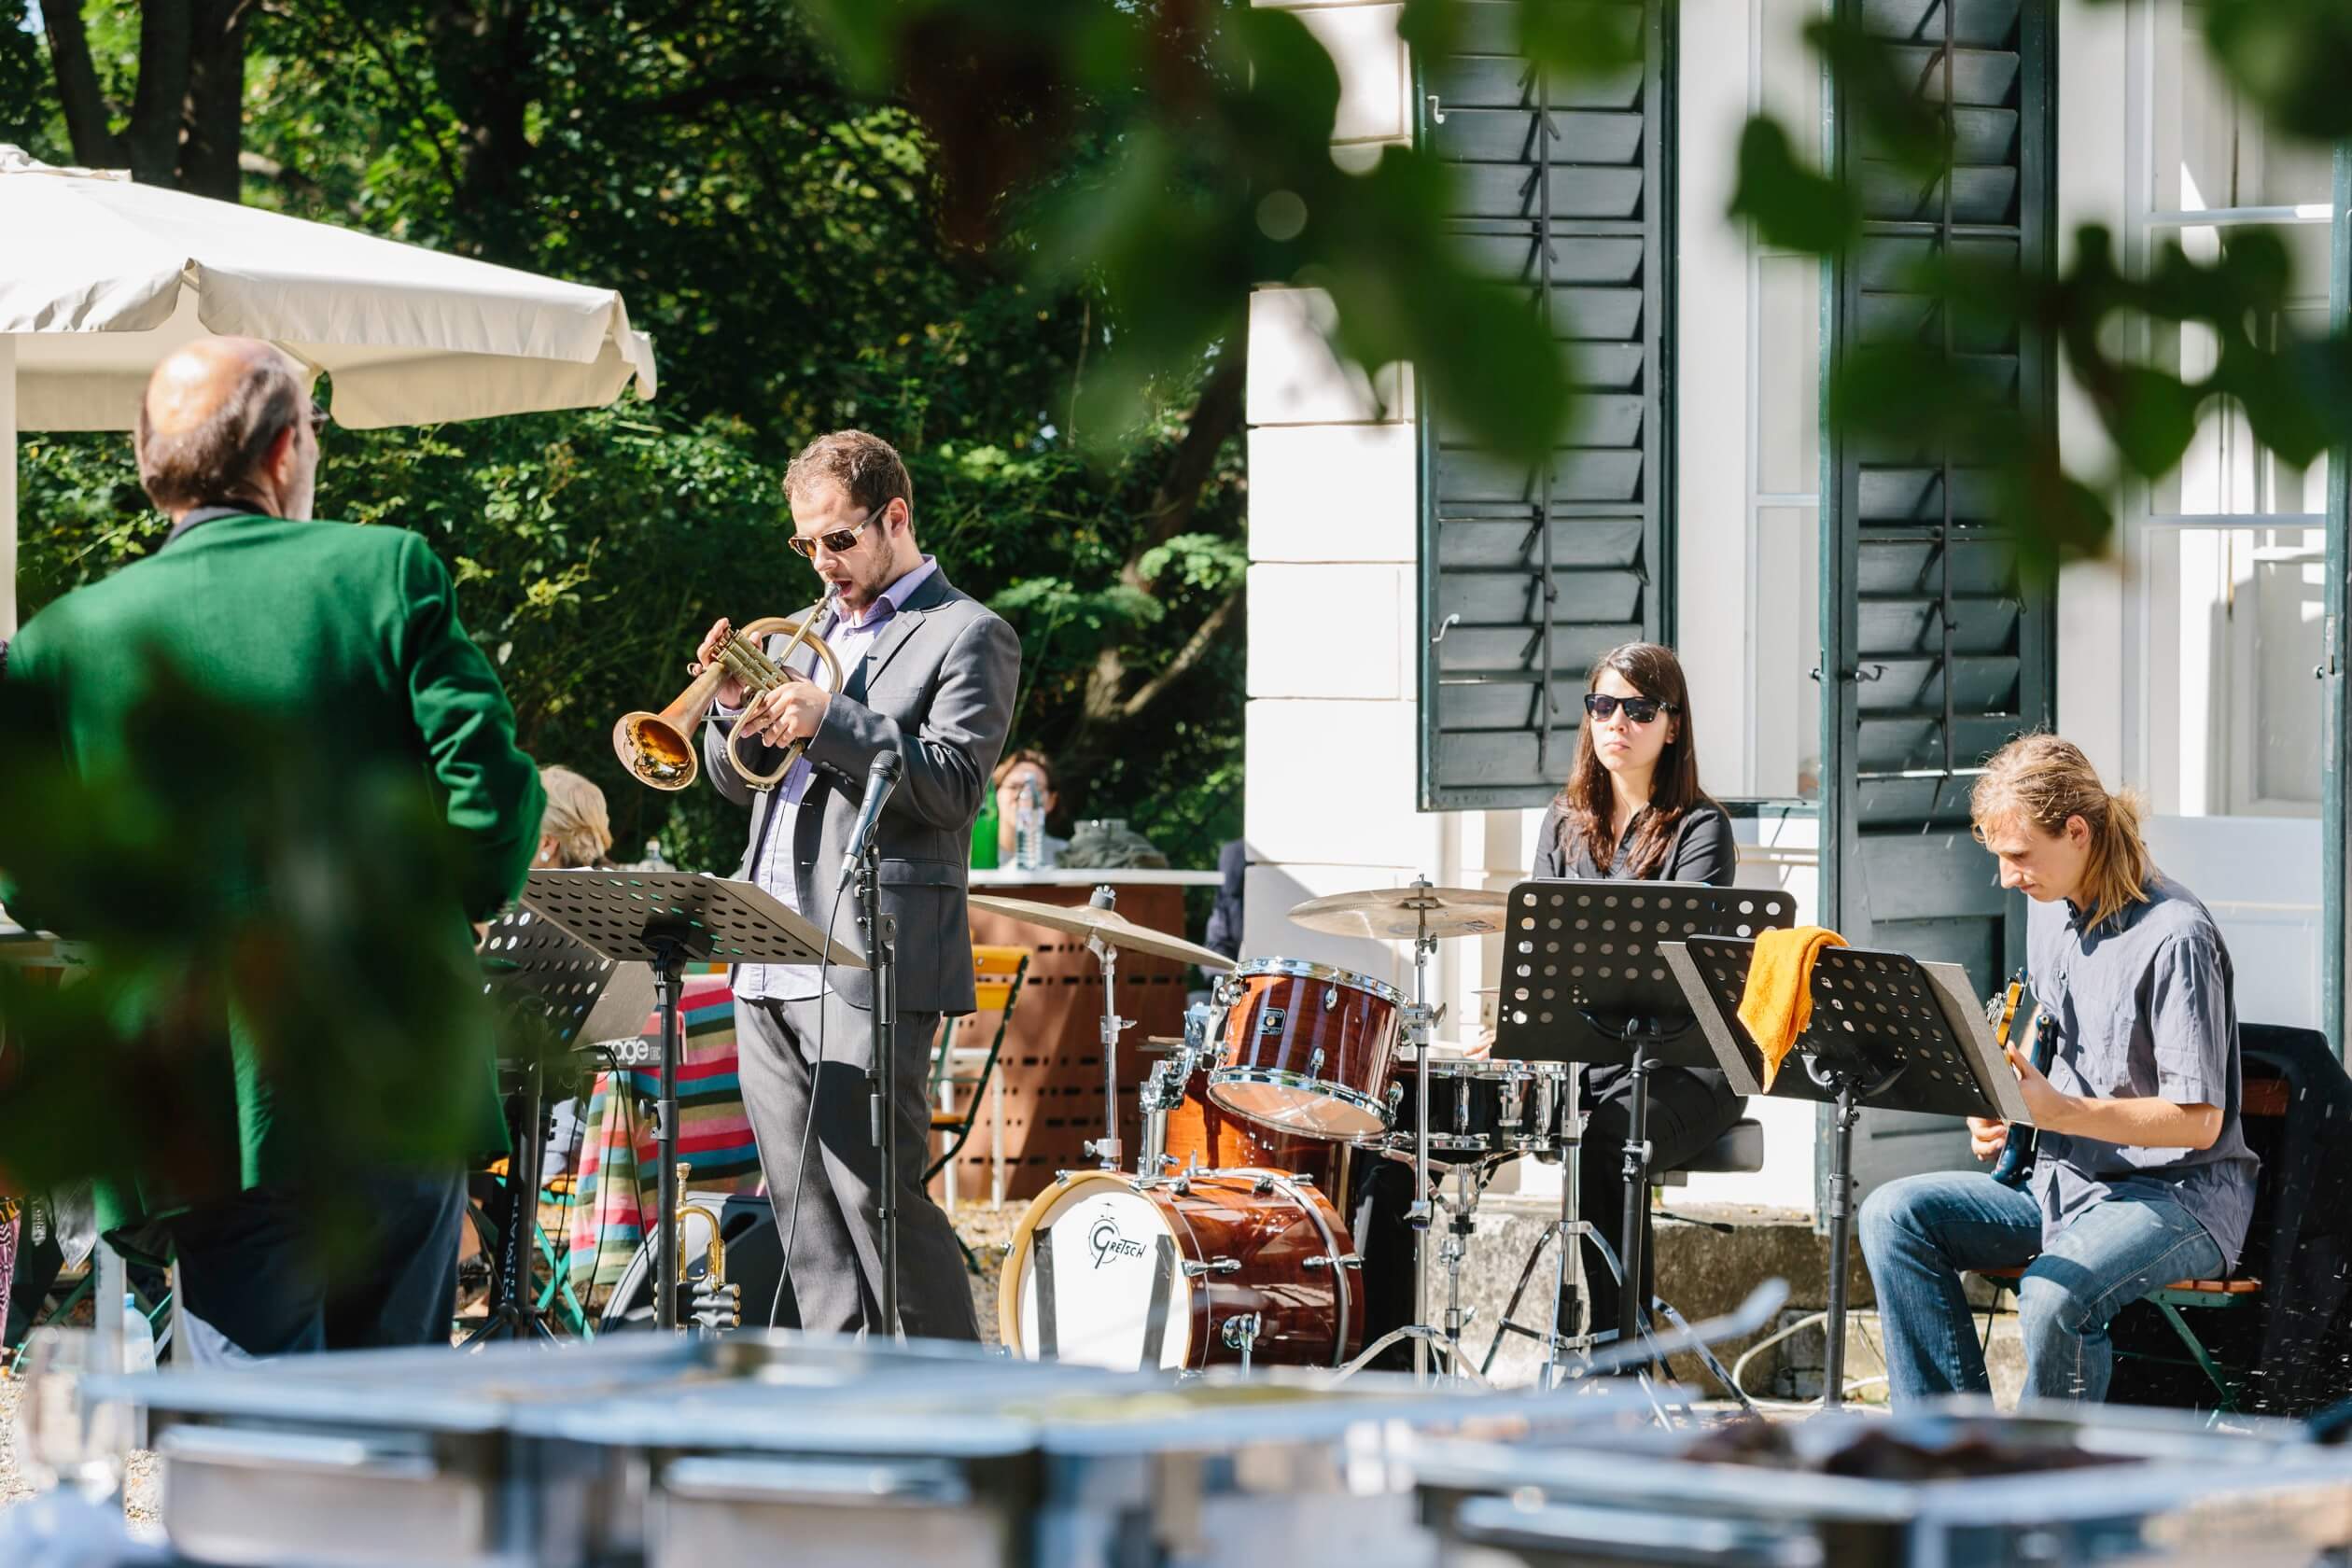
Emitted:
<point x="1242" y="1333"/>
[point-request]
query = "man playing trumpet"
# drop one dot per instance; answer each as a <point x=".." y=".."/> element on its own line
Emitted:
<point x="930" y="673"/>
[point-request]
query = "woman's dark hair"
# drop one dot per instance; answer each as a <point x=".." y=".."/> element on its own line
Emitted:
<point x="1587" y="803"/>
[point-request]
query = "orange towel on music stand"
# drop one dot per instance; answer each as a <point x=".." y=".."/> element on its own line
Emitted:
<point x="1778" y="1002"/>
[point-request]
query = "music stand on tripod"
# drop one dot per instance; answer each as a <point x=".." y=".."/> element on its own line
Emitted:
<point x="568" y="992"/>
<point x="1887" y="1032"/>
<point x="1583" y="982"/>
<point x="668" y="920"/>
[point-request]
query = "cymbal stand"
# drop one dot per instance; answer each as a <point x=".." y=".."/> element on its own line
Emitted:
<point x="1106" y="1148"/>
<point x="1417" y="1029"/>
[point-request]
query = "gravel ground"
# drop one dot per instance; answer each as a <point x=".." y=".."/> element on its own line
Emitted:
<point x="140" y="1485"/>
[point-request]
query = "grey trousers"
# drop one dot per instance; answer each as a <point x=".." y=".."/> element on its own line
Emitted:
<point x="836" y="1258"/>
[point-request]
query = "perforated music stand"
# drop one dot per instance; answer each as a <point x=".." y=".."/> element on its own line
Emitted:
<point x="667" y="919"/>
<point x="537" y="970"/>
<point x="1583" y="982"/>
<point x="1887" y="1031"/>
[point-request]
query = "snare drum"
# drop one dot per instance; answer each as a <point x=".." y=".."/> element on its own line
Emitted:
<point x="1108" y="1270"/>
<point x="1307" y="1048"/>
<point x="1486" y="1110"/>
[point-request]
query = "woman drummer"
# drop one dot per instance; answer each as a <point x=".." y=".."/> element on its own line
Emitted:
<point x="1632" y="810"/>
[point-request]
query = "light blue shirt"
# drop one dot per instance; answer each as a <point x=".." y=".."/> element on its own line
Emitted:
<point x="849" y="641"/>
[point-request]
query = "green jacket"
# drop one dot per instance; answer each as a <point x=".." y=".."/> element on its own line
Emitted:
<point x="349" y="633"/>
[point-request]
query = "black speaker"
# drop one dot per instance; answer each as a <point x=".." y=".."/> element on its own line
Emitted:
<point x="755" y="1262"/>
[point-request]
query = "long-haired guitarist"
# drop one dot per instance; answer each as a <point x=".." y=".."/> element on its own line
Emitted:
<point x="2141" y="1176"/>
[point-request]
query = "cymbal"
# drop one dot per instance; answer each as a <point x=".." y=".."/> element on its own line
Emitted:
<point x="1397" y="914"/>
<point x="1085" y="920"/>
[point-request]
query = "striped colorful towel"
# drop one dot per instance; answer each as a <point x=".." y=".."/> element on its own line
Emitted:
<point x="613" y="1205"/>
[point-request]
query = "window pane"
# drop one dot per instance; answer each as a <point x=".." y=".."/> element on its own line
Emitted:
<point x="2210" y="150"/>
<point x="1790" y="90"/>
<point x="1787" y="619"/>
<point x="2235" y="621"/>
<point x="1788" y="375"/>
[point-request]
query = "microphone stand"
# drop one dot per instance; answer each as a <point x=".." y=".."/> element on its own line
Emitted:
<point x="881" y="931"/>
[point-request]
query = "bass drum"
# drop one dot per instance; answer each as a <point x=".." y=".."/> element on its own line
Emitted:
<point x="1181" y="1274"/>
<point x="755" y="1261"/>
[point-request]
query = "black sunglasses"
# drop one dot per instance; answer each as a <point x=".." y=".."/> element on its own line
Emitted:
<point x="836" y="540"/>
<point x="1642" y="710"/>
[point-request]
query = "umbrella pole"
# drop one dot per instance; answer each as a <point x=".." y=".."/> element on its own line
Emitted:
<point x="7" y="486"/>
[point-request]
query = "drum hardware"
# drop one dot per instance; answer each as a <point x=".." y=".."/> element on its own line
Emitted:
<point x="1240" y="1334"/>
<point x="1106" y="932"/>
<point x="1217" y="1266"/>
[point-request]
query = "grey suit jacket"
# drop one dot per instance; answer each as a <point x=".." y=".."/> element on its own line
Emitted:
<point x="937" y="686"/>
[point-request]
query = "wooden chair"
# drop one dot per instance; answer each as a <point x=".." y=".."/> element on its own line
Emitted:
<point x="2171" y="1300"/>
<point x="958" y="1088"/>
<point x="2262" y="1098"/>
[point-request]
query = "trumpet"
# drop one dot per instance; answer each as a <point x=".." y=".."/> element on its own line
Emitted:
<point x="659" y="747"/>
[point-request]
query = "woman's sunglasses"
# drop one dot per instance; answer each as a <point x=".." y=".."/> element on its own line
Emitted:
<point x="1642" y="710"/>
<point x="837" y="540"/>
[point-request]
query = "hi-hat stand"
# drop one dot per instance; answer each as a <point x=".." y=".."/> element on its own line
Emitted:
<point x="1583" y="982"/>
<point x="668" y="920"/>
<point x="1887" y="1031"/>
<point x="560" y="991"/>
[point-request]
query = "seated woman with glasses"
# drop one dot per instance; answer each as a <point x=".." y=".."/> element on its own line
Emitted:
<point x="1632" y="810"/>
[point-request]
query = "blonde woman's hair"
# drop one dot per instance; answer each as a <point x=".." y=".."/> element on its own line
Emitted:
<point x="575" y="818"/>
<point x="2040" y="780"/>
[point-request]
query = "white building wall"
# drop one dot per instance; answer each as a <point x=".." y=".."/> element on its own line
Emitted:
<point x="1333" y="716"/>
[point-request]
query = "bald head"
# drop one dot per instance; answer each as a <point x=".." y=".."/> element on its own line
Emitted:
<point x="223" y="423"/>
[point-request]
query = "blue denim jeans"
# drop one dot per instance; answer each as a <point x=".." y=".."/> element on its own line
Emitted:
<point x="1920" y="1233"/>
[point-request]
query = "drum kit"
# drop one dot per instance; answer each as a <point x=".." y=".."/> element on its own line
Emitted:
<point x="1180" y="1266"/>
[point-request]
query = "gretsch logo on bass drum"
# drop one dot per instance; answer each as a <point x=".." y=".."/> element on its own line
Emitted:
<point x="1108" y="1243"/>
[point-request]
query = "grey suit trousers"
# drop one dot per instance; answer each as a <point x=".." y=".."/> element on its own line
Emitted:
<point x="836" y="1257"/>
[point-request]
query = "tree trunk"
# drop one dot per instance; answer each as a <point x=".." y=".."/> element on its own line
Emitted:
<point x="89" y="118"/>
<point x="483" y="59"/>
<point x="215" y="112"/>
<point x="185" y="127"/>
<point x="165" y="34"/>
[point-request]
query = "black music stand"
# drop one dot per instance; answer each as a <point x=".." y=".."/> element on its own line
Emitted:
<point x="1887" y="1031"/>
<point x="667" y="919"/>
<point x="1583" y="982"/>
<point x="564" y="991"/>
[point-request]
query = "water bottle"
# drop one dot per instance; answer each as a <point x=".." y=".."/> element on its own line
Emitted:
<point x="984" y="834"/>
<point x="1029" y="829"/>
<point x="138" y="1336"/>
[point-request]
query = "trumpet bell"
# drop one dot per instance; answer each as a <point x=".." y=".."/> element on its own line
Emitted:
<point x="654" y="751"/>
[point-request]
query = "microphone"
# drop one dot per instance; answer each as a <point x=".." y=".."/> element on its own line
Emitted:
<point x="882" y="777"/>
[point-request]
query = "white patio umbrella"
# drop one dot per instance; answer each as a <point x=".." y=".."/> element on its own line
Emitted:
<point x="101" y="277"/>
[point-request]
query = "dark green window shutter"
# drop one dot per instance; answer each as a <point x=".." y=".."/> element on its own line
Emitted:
<point x="1934" y="651"/>
<point x="1563" y="187"/>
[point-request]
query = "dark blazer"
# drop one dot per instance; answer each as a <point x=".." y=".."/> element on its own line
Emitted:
<point x="1704" y="850"/>
<point x="937" y="686"/>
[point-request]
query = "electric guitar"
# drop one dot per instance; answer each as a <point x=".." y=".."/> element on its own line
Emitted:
<point x="2040" y="1043"/>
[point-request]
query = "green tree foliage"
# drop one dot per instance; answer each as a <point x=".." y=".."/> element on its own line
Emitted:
<point x="792" y="244"/>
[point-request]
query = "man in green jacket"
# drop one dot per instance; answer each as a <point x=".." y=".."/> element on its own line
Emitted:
<point x="350" y="636"/>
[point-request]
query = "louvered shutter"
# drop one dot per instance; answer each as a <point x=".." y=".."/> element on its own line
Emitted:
<point x="1935" y="653"/>
<point x="1562" y="188"/>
